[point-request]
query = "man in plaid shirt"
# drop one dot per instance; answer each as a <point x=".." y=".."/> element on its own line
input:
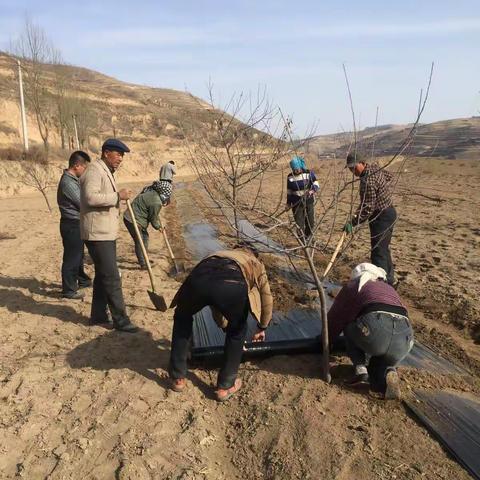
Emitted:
<point x="377" y="208"/>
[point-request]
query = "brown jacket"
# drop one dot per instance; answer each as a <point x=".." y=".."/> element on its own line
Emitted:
<point x="259" y="295"/>
<point x="99" y="203"/>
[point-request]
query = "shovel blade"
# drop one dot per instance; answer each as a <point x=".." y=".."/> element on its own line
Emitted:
<point x="158" y="301"/>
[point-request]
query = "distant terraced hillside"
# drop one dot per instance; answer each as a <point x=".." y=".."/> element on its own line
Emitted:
<point x="457" y="138"/>
<point x="132" y="112"/>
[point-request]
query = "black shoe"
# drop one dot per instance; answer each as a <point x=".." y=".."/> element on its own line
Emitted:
<point x="358" y="381"/>
<point x="128" y="327"/>
<point x="74" y="296"/>
<point x="144" y="267"/>
<point x="85" y="284"/>
<point x="106" y="323"/>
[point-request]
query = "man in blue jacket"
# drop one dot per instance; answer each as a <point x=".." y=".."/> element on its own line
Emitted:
<point x="68" y="199"/>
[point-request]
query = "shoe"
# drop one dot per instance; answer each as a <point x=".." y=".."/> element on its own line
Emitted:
<point x="224" y="394"/>
<point x="392" y="392"/>
<point x="144" y="267"/>
<point x="85" y="284"/>
<point x="178" y="384"/>
<point x="106" y="323"/>
<point x="127" y="327"/>
<point x="74" y="296"/>
<point x="358" y="381"/>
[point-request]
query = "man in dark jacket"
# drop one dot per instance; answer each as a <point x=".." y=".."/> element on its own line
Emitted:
<point x="68" y="199"/>
<point x="376" y="207"/>
<point x="233" y="283"/>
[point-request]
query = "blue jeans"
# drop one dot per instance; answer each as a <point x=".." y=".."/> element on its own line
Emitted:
<point x="383" y="338"/>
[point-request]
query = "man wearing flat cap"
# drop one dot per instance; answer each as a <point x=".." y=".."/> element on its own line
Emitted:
<point x="376" y="207"/>
<point x="99" y="216"/>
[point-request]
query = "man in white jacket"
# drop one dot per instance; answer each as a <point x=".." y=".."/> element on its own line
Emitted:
<point x="99" y="213"/>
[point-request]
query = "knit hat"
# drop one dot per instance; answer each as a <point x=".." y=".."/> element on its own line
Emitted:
<point x="297" y="163"/>
<point x="366" y="272"/>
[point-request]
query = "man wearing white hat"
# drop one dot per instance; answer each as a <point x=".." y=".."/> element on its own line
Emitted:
<point x="377" y="330"/>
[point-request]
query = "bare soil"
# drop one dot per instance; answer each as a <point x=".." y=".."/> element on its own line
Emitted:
<point x="83" y="402"/>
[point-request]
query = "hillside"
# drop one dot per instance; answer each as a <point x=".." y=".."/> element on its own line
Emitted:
<point x="449" y="138"/>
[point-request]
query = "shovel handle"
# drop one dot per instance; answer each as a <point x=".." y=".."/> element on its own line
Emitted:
<point x="334" y="256"/>
<point x="142" y="246"/>
<point x="167" y="243"/>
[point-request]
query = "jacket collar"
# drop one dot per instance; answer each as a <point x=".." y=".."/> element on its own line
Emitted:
<point x="109" y="173"/>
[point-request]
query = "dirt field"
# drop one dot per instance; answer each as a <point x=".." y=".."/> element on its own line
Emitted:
<point x="83" y="402"/>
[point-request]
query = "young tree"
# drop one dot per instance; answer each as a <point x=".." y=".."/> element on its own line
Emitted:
<point x="36" y="52"/>
<point x="37" y="173"/>
<point x="237" y="146"/>
<point x="234" y="161"/>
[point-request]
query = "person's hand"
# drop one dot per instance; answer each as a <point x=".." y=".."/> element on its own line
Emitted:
<point x="348" y="228"/>
<point x="311" y="192"/>
<point x="125" y="194"/>
<point x="259" y="336"/>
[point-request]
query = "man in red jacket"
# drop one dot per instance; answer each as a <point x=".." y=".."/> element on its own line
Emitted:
<point x="377" y="330"/>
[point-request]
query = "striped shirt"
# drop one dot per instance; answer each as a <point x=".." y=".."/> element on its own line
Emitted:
<point x="375" y="192"/>
<point x="299" y="185"/>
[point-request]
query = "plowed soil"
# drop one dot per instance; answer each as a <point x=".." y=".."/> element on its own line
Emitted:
<point x="82" y="402"/>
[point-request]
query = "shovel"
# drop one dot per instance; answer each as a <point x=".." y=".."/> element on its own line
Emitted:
<point x="169" y="248"/>
<point x="157" y="300"/>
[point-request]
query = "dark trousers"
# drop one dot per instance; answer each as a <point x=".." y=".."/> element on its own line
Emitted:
<point x="107" y="285"/>
<point x="225" y="289"/>
<point x="384" y="337"/>
<point x="381" y="230"/>
<point x="73" y="273"/>
<point x="138" y="248"/>
<point x="303" y="212"/>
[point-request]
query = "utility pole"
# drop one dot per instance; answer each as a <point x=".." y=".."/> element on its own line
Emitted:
<point x="22" y="108"/>
<point x="76" y="131"/>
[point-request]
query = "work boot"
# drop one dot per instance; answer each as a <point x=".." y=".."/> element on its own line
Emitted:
<point x="127" y="327"/>
<point x="85" y="283"/>
<point x="358" y="381"/>
<point x="223" y="394"/>
<point x="74" y="296"/>
<point x="392" y="391"/>
<point x="178" y="384"/>
<point x="144" y="266"/>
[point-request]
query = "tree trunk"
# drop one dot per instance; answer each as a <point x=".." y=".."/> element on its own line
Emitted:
<point x="323" y="311"/>
<point x="46" y="200"/>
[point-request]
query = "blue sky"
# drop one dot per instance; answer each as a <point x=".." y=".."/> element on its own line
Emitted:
<point x="295" y="49"/>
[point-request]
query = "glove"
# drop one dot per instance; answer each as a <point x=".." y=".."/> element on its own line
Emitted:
<point x="348" y="228"/>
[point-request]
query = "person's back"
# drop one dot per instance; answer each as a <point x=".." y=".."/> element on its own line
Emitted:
<point x="167" y="171"/>
<point x="146" y="207"/>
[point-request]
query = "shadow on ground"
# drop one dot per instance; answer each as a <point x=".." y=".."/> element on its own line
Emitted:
<point x="138" y="352"/>
<point x="16" y="301"/>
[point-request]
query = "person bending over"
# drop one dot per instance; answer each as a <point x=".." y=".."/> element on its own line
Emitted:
<point x="377" y="330"/>
<point x="233" y="283"/>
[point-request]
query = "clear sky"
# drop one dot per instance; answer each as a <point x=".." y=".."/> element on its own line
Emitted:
<point x="296" y="49"/>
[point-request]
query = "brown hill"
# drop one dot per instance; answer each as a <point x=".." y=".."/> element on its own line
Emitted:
<point x="457" y="138"/>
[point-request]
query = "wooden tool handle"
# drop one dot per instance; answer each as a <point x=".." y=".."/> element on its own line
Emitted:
<point x="142" y="246"/>
<point x="334" y="256"/>
<point x="167" y="243"/>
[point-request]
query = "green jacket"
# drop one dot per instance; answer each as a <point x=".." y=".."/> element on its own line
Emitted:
<point x="146" y="208"/>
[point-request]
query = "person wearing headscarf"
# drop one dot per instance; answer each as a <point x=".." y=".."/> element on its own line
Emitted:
<point x="376" y="327"/>
<point x="146" y="207"/>
<point x="301" y="188"/>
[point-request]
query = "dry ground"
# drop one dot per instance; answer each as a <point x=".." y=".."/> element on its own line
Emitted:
<point x="83" y="402"/>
